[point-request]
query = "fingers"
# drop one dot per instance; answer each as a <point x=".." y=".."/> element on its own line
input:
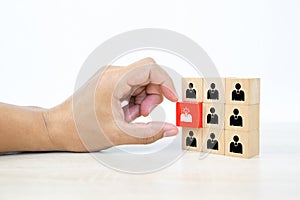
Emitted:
<point x="153" y="89"/>
<point x="146" y="71"/>
<point x="148" y="97"/>
<point x="160" y="77"/>
<point x="140" y="133"/>
<point x="149" y="103"/>
<point x="131" y="112"/>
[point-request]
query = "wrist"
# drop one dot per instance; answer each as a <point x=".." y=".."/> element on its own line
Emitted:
<point x="62" y="128"/>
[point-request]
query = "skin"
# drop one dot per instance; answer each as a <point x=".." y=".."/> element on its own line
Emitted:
<point x="93" y="119"/>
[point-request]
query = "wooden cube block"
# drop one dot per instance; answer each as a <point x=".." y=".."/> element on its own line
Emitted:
<point x="244" y="144"/>
<point x="242" y="117"/>
<point x="192" y="139"/>
<point x="213" y="141"/>
<point x="214" y="90"/>
<point x="192" y="89"/>
<point x="189" y="114"/>
<point x="242" y="91"/>
<point x="214" y="115"/>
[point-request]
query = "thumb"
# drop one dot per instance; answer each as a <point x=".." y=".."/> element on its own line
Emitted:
<point x="146" y="133"/>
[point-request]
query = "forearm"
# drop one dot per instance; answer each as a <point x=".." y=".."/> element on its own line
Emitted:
<point x="23" y="129"/>
<point x="37" y="129"/>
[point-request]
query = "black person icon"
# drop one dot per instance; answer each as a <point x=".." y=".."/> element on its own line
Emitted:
<point x="236" y="147"/>
<point x="238" y="94"/>
<point x="212" y="143"/>
<point x="213" y="93"/>
<point x="191" y="141"/>
<point x="235" y="119"/>
<point x="212" y="118"/>
<point x="190" y="92"/>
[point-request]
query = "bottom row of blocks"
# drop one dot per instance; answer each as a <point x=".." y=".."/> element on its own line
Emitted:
<point x="243" y="144"/>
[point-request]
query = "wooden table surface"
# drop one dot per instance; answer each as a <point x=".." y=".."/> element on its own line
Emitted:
<point x="274" y="174"/>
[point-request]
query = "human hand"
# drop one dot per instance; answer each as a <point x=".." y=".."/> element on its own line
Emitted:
<point x="93" y="119"/>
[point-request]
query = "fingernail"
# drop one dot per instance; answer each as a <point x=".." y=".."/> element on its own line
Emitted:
<point x="171" y="132"/>
<point x="175" y="96"/>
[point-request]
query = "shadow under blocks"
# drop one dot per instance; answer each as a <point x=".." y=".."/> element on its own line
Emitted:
<point x="220" y="115"/>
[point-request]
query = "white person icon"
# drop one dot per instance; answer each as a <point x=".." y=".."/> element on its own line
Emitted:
<point x="186" y="116"/>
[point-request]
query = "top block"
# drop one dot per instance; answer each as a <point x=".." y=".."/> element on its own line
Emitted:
<point x="242" y="91"/>
<point x="192" y="89"/>
<point x="214" y="90"/>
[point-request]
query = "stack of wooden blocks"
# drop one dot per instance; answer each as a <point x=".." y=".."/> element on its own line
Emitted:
<point x="220" y="115"/>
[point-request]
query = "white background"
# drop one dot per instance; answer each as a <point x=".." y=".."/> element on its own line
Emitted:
<point x="44" y="43"/>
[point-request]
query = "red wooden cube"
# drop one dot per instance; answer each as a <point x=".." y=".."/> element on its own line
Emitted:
<point x="189" y="114"/>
